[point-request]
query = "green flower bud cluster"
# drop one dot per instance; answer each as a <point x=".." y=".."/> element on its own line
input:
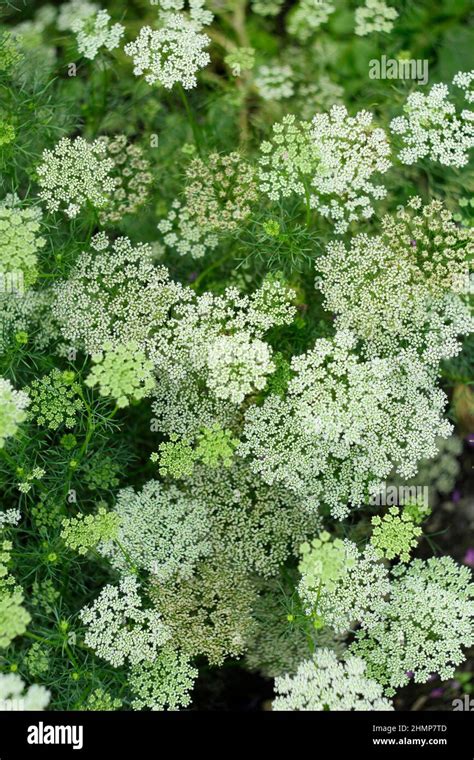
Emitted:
<point x="55" y="400"/>
<point x="214" y="447"/>
<point x="83" y="533"/>
<point x="19" y="239"/>
<point x="395" y="534"/>
<point x="124" y="373"/>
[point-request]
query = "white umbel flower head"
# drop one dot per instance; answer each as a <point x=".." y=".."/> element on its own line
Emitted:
<point x="76" y="173"/>
<point x="464" y="80"/>
<point x="238" y="365"/>
<point x="308" y="16"/>
<point x="94" y="33"/>
<point x="350" y="151"/>
<point x="119" y="630"/>
<point x="325" y="683"/>
<point x="172" y="55"/>
<point x="374" y="16"/>
<point x="432" y="128"/>
<point x="74" y="11"/>
<point x="420" y="256"/>
<point x="9" y="517"/>
<point x="426" y="622"/>
<point x="342" y="420"/>
<point x="195" y="10"/>
<point x="15" y="695"/>
<point x="114" y="294"/>
<point x="164" y="531"/>
<point x="329" y="161"/>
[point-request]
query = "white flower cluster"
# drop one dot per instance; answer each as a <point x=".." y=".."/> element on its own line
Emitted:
<point x="182" y="234"/>
<point x="325" y="683"/>
<point x="238" y="365"/>
<point x="330" y="162"/>
<point x="308" y="16"/>
<point x="110" y="174"/>
<point x="171" y="55"/>
<point x="423" y="625"/>
<point x="195" y="10"/>
<point x="374" y="16"/>
<point x="350" y="150"/>
<point x="119" y="630"/>
<point x="164" y="684"/>
<point x="414" y="619"/>
<point x="432" y="127"/>
<point x="15" y="695"/>
<point x="275" y="82"/>
<point x="113" y="294"/>
<point x="232" y="520"/>
<point x="210" y="355"/>
<point x="12" y="409"/>
<point x="464" y="80"/>
<point x="219" y="193"/>
<point x="412" y="268"/>
<point x="9" y="517"/>
<point x="162" y="531"/>
<point x="94" y="32"/>
<point x="73" y="11"/>
<point x="345" y="422"/>
<point x="74" y="174"/>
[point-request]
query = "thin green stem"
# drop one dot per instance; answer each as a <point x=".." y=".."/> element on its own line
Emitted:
<point x="192" y="120"/>
<point x="35" y="637"/>
<point x="307" y="196"/>
<point x="126" y="556"/>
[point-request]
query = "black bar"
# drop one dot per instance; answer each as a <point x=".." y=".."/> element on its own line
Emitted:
<point x="142" y="735"/>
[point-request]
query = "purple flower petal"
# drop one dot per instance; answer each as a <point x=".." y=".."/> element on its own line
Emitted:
<point x="469" y="557"/>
